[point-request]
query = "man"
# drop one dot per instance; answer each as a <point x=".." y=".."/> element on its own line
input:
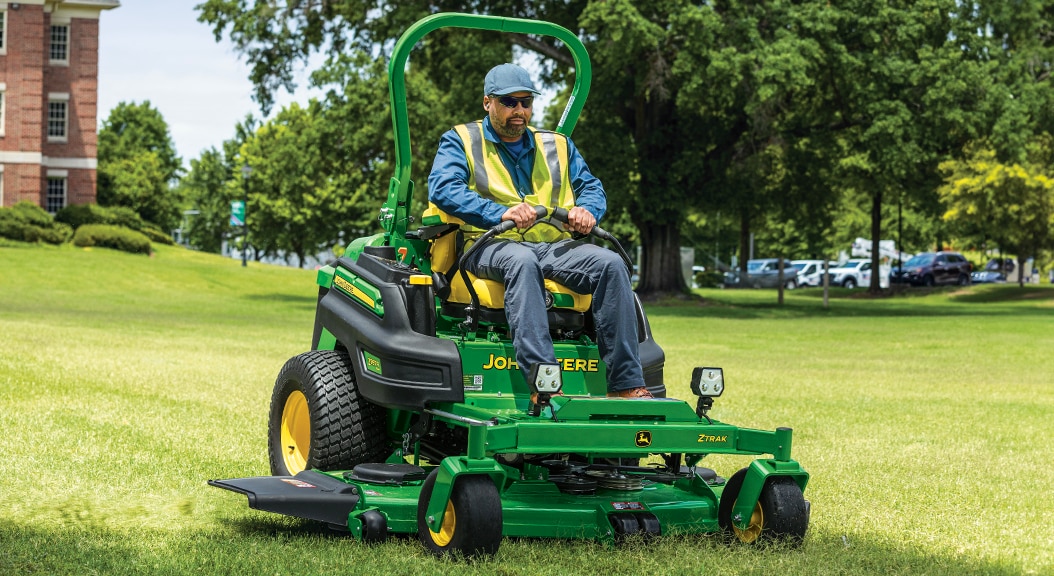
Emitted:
<point x="509" y="168"/>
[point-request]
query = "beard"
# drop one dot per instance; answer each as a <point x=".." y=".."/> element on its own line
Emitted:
<point x="504" y="129"/>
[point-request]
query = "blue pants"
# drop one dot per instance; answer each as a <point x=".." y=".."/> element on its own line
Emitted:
<point x="582" y="267"/>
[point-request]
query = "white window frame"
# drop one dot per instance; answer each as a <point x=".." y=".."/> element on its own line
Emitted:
<point x="1" y="185"/>
<point x="55" y="98"/>
<point x="65" y="60"/>
<point x="3" y="110"/>
<point x="3" y="30"/>
<point x="57" y="176"/>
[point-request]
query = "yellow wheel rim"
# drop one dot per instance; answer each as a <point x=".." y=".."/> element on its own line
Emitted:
<point x="446" y="531"/>
<point x="750" y="534"/>
<point x="296" y="432"/>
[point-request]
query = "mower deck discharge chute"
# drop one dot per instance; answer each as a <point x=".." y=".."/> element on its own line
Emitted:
<point x="410" y="415"/>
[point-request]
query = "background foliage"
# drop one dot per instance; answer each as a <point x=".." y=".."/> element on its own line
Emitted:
<point x="794" y="127"/>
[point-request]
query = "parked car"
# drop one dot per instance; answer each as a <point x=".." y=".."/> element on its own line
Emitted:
<point x="933" y="268"/>
<point x="852" y="273"/>
<point x="987" y="277"/>
<point x="810" y="272"/>
<point x="1004" y="265"/>
<point x="763" y="273"/>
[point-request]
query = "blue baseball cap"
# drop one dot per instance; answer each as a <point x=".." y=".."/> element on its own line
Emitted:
<point x="505" y="79"/>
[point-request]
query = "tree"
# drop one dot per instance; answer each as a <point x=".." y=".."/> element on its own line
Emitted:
<point x="138" y="163"/>
<point x="290" y="197"/>
<point x="209" y="188"/>
<point x="1012" y="204"/>
<point x="766" y="112"/>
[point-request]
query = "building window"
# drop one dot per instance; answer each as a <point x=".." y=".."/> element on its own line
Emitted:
<point x="3" y="107"/>
<point x="56" y="198"/>
<point x="60" y="43"/>
<point x="3" y="31"/>
<point x="57" y="120"/>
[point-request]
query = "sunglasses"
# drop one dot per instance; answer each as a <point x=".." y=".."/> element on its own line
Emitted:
<point x="512" y="101"/>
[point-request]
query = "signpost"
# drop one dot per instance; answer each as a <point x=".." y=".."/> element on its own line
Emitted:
<point x="246" y="171"/>
<point x="238" y="213"/>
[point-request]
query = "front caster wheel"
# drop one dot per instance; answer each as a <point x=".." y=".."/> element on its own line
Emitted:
<point x="781" y="512"/>
<point x="472" y="521"/>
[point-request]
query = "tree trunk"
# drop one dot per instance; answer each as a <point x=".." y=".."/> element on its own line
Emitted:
<point x="876" y="236"/>
<point x="660" y="261"/>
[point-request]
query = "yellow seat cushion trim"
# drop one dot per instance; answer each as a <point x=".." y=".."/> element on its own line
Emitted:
<point x="491" y="293"/>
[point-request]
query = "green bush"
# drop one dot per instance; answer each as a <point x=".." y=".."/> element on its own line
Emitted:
<point x="709" y="279"/>
<point x="156" y="235"/>
<point x="27" y="222"/>
<point x="77" y="215"/>
<point x="116" y="237"/>
<point x="31" y="213"/>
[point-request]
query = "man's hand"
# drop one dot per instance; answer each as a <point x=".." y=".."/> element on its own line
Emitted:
<point x="580" y="220"/>
<point x="522" y="214"/>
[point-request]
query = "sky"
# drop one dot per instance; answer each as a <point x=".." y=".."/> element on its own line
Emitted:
<point x="156" y="50"/>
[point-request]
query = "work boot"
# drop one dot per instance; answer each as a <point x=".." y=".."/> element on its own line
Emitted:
<point x="641" y="392"/>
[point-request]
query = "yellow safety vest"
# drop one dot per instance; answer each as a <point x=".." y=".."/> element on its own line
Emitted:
<point x="550" y="180"/>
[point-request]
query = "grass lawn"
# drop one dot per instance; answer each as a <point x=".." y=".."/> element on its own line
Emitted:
<point x="925" y="419"/>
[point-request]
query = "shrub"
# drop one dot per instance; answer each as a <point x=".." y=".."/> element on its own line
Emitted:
<point x="156" y="235"/>
<point x="116" y="237"/>
<point x="27" y="222"/>
<point x="709" y="279"/>
<point x="77" y="215"/>
<point x="30" y="213"/>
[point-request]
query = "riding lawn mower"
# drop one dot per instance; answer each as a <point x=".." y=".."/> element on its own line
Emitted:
<point x="410" y="415"/>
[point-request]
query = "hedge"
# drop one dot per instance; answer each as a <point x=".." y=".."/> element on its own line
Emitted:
<point x="27" y="222"/>
<point x="77" y="215"/>
<point x="116" y="237"/>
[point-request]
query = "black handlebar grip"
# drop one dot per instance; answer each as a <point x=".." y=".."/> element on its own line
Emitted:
<point x="560" y="214"/>
<point x="541" y="211"/>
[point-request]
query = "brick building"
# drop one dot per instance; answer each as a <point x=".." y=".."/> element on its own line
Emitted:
<point x="49" y="70"/>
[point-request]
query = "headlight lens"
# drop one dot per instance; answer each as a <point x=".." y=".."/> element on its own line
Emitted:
<point x="708" y="381"/>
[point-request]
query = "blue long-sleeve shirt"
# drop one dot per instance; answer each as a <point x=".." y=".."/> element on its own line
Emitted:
<point x="448" y="182"/>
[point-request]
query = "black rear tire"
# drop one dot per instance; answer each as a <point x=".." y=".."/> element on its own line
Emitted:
<point x="472" y="523"/>
<point x="849" y="283"/>
<point x="318" y="418"/>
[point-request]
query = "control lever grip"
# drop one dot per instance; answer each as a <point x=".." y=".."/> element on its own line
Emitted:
<point x="506" y="225"/>
<point x="561" y="215"/>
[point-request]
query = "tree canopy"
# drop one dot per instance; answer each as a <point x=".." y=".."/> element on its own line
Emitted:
<point x="798" y="124"/>
<point x="138" y="163"/>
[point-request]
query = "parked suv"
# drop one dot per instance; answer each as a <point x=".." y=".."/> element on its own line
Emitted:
<point x="763" y="273"/>
<point x="933" y="268"/>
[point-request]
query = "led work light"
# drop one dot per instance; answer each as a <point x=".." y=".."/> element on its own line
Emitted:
<point x="545" y="378"/>
<point x="708" y="382"/>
